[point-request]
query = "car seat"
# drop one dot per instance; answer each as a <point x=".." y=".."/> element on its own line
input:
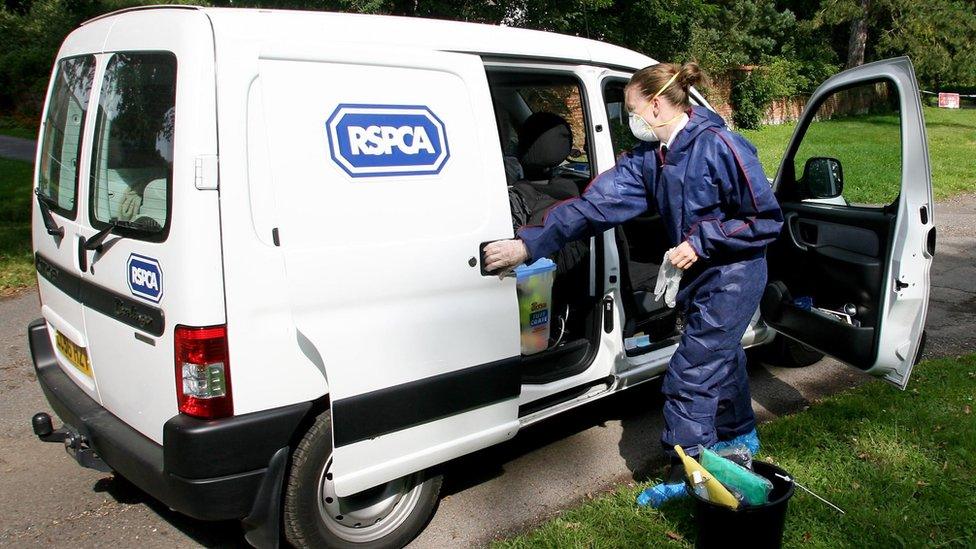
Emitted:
<point x="545" y="140"/>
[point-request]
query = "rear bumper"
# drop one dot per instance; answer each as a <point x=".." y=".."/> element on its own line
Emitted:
<point x="209" y="470"/>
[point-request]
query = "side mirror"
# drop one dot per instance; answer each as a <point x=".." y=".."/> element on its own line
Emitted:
<point x="823" y="177"/>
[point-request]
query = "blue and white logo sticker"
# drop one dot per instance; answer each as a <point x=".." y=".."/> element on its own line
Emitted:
<point x="385" y="140"/>
<point x="145" y="277"/>
<point x="539" y="318"/>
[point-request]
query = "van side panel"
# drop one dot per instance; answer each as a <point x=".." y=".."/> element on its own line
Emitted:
<point x="378" y="267"/>
<point x="381" y="262"/>
<point x="272" y="363"/>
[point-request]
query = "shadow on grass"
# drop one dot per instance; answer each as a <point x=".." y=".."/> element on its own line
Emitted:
<point x="954" y="125"/>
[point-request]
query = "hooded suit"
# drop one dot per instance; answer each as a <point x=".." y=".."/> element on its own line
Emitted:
<point x="710" y="191"/>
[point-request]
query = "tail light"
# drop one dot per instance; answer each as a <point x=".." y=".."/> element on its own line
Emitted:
<point x="203" y="372"/>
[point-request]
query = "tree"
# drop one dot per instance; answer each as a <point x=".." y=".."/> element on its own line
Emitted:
<point x="939" y="36"/>
<point x="30" y="34"/>
<point x="936" y="34"/>
<point x="859" y="36"/>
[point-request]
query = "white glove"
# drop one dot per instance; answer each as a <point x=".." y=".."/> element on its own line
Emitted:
<point x="668" y="278"/>
<point x="131" y="201"/>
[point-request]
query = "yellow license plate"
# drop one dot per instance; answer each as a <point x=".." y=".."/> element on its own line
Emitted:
<point x="77" y="356"/>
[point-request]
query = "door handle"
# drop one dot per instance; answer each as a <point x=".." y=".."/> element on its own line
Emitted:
<point x="481" y="259"/>
<point x="82" y="254"/>
<point x="793" y="228"/>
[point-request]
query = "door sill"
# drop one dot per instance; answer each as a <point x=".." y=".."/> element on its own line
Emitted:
<point x="562" y="396"/>
<point x="653" y="346"/>
<point x="560" y="362"/>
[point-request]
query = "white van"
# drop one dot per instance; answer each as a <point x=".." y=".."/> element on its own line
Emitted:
<point x="257" y="240"/>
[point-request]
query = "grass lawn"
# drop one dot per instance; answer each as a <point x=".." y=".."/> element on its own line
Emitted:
<point x="12" y="127"/>
<point x="869" y="165"/>
<point x="901" y="464"/>
<point x="16" y="265"/>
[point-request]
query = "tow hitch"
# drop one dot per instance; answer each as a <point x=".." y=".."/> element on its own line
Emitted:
<point x="74" y="442"/>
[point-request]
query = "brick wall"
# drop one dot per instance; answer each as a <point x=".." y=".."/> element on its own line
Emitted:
<point x="564" y="101"/>
<point x="784" y="110"/>
<point x="574" y="115"/>
<point x="720" y="92"/>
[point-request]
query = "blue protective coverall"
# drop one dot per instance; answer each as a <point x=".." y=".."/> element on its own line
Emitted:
<point x="710" y="190"/>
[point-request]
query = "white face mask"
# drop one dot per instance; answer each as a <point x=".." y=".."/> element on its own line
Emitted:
<point x="644" y="131"/>
<point x="641" y="129"/>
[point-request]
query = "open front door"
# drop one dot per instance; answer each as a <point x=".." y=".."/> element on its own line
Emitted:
<point x="849" y="274"/>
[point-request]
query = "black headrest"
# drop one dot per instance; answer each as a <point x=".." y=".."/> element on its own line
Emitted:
<point x="545" y="140"/>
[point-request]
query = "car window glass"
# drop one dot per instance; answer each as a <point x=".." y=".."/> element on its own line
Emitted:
<point x="860" y="128"/>
<point x="618" y="116"/>
<point x="516" y="96"/>
<point x="564" y="100"/>
<point x="132" y="165"/>
<point x="63" y="129"/>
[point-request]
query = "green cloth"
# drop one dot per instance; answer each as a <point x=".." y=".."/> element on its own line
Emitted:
<point x="753" y="488"/>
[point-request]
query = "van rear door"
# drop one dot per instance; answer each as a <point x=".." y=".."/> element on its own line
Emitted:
<point x="56" y="230"/>
<point x="150" y="217"/>
<point x="389" y="177"/>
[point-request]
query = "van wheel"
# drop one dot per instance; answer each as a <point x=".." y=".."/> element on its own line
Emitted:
<point x="389" y="515"/>
<point x="921" y="347"/>
<point x="789" y="353"/>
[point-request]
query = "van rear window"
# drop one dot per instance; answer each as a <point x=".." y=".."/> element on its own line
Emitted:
<point x="63" y="128"/>
<point x="132" y="163"/>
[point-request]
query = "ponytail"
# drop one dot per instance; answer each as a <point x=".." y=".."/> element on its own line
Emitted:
<point x="651" y="79"/>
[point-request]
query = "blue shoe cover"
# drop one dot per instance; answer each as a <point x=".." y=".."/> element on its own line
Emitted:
<point x="659" y="494"/>
<point x="750" y="440"/>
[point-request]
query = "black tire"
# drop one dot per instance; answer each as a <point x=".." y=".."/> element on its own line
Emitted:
<point x="921" y="347"/>
<point x="789" y="353"/>
<point x="305" y="518"/>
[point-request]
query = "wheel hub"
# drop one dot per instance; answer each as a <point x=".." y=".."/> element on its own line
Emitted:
<point x="370" y="514"/>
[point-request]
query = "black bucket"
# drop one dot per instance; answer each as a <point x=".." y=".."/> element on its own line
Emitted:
<point x="756" y="527"/>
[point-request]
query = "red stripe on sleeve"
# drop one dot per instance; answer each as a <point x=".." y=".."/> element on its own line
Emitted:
<point x="738" y="162"/>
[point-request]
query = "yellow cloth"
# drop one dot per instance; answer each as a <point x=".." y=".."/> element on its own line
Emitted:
<point x="717" y="493"/>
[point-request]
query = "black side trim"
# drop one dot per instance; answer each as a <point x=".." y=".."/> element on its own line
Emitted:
<point x="122" y="308"/>
<point x="213" y="448"/>
<point x="562" y="396"/>
<point x="143" y="462"/>
<point x="370" y="415"/>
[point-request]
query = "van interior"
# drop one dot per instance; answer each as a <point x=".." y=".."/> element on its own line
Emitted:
<point x="544" y="134"/>
<point x="544" y="146"/>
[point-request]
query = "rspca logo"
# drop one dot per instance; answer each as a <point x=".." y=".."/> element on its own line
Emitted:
<point x="145" y="277"/>
<point x="386" y="140"/>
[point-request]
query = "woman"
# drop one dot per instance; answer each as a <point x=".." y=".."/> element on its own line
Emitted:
<point x="720" y="213"/>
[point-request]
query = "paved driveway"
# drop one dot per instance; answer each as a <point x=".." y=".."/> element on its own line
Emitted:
<point x="16" y="148"/>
